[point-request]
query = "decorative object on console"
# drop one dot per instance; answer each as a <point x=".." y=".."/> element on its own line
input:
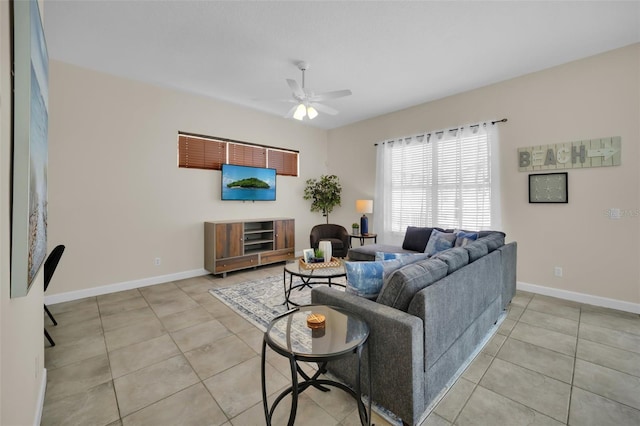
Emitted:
<point x="548" y="188"/>
<point x="355" y="229"/>
<point x="324" y="193"/>
<point x="364" y="206"/>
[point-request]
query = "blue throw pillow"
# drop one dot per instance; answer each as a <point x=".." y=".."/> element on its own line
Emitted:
<point x="365" y="279"/>
<point x="463" y="238"/>
<point x="406" y="258"/>
<point x="439" y="241"/>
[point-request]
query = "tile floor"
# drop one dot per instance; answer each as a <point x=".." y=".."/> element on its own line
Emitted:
<point x="172" y="354"/>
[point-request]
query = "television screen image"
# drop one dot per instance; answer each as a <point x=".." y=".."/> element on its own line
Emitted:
<point x="248" y="183"/>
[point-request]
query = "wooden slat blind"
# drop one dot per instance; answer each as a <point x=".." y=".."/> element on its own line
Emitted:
<point x="285" y="163"/>
<point x="247" y="155"/>
<point x="200" y="153"/>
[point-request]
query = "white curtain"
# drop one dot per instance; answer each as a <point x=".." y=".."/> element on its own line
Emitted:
<point x="447" y="178"/>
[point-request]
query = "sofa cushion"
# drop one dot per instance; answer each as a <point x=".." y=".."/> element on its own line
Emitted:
<point x="463" y="238"/>
<point x="440" y="241"/>
<point x="416" y="238"/>
<point x="400" y="287"/>
<point x="365" y="279"/>
<point x="455" y="258"/>
<point x="493" y="240"/>
<point x="476" y="249"/>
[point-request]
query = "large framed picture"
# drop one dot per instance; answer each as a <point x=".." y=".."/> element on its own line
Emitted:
<point x="30" y="128"/>
<point x="548" y="188"/>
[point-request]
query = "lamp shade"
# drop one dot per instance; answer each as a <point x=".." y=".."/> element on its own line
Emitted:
<point x="312" y="113"/>
<point x="301" y="112"/>
<point x="364" y="206"/>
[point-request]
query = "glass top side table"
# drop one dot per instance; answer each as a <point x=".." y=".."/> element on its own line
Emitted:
<point x="342" y="334"/>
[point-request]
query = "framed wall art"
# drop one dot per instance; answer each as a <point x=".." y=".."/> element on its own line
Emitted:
<point x="30" y="130"/>
<point x="548" y="188"/>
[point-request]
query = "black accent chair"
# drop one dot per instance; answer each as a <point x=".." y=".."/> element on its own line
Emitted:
<point x="337" y="234"/>
<point x="50" y="266"/>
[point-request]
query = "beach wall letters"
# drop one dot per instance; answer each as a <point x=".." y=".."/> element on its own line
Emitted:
<point x="571" y="155"/>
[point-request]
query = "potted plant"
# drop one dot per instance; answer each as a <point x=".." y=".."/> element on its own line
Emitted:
<point x="355" y="228"/>
<point x="324" y="193"/>
<point x="319" y="256"/>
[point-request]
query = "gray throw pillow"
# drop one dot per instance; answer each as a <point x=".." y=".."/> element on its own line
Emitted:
<point x="440" y="241"/>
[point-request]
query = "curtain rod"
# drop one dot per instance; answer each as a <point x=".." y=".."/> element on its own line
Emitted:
<point x="504" y="120"/>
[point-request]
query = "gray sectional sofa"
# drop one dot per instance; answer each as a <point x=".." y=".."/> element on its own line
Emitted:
<point x="428" y="319"/>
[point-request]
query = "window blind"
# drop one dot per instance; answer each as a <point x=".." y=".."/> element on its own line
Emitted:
<point x="203" y="152"/>
<point x="443" y="180"/>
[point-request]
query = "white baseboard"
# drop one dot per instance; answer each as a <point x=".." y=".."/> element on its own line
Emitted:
<point x="40" y="406"/>
<point x="589" y="299"/>
<point x="127" y="285"/>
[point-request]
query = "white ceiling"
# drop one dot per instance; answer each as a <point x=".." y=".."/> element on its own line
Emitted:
<point x="391" y="54"/>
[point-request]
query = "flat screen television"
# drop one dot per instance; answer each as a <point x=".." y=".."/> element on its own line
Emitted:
<point x="248" y="183"/>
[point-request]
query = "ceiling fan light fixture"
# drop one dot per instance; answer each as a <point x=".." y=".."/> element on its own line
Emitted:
<point x="312" y="113"/>
<point x="300" y="113"/>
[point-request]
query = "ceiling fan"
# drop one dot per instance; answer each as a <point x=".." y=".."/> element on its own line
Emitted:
<point x="307" y="102"/>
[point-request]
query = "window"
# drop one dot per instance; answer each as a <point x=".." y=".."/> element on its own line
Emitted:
<point x="202" y="152"/>
<point x="441" y="179"/>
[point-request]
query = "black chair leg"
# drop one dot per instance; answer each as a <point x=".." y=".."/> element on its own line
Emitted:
<point x="50" y="316"/>
<point x="46" y="334"/>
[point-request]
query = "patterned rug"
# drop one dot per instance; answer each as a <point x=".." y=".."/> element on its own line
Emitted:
<point x="262" y="300"/>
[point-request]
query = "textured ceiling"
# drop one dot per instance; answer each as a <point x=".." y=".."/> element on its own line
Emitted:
<point x="391" y="54"/>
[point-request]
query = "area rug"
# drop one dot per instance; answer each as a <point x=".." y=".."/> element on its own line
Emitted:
<point x="262" y="300"/>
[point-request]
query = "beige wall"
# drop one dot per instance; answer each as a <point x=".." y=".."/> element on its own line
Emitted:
<point x="117" y="199"/>
<point x="591" y="98"/>
<point x="21" y="319"/>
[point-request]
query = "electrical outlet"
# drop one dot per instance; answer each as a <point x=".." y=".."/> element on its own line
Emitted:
<point x="157" y="261"/>
<point x="557" y="271"/>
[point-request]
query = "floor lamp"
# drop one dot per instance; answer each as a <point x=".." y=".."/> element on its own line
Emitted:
<point x="364" y="206"/>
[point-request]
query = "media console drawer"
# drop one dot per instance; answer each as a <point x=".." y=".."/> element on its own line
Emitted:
<point x="276" y="256"/>
<point x="223" y="265"/>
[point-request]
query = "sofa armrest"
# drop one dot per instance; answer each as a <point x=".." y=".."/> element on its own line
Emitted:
<point x="509" y="264"/>
<point x="395" y="348"/>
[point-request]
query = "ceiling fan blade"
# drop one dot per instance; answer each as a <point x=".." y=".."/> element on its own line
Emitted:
<point x="295" y="87"/>
<point x="324" y="108"/>
<point x="331" y="95"/>
<point x="291" y="111"/>
<point x="288" y="100"/>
